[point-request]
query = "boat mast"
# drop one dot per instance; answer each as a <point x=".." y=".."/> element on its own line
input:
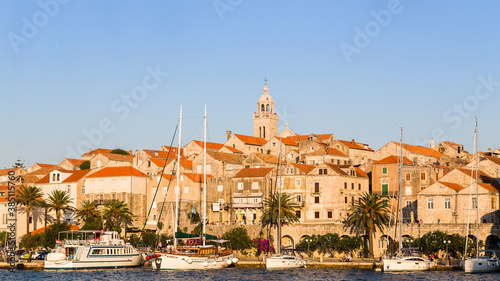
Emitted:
<point x="477" y="191"/>
<point x="279" y="200"/>
<point x="400" y="193"/>
<point x="177" y="187"/>
<point x="204" y="173"/>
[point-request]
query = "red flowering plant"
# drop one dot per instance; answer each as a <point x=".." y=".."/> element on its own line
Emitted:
<point x="263" y="246"/>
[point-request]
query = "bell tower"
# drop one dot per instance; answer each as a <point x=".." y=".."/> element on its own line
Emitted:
<point x="265" y="121"/>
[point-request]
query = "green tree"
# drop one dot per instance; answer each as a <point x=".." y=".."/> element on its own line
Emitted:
<point x="49" y="236"/>
<point x="239" y="238"/>
<point x="59" y="201"/>
<point x="89" y="215"/>
<point x="29" y="197"/>
<point x="311" y="246"/>
<point x="85" y="165"/>
<point x="288" y="210"/>
<point x="18" y="164"/>
<point x="119" y="151"/>
<point x="348" y="244"/>
<point x="367" y="215"/>
<point x="115" y="213"/>
<point x="30" y="242"/>
<point x="328" y="243"/>
<point x="432" y="242"/>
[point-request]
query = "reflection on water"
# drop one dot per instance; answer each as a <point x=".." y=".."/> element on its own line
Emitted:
<point x="147" y="274"/>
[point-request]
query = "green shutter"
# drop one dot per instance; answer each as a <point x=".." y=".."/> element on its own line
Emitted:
<point x="384" y="171"/>
<point x="385" y="189"/>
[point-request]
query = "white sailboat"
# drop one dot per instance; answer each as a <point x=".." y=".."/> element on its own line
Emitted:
<point x="195" y="257"/>
<point x="485" y="260"/>
<point x="407" y="259"/>
<point x="283" y="258"/>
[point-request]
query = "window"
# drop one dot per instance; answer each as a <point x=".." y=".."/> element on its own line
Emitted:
<point x="280" y="182"/>
<point x="352" y="185"/>
<point x="474" y="203"/>
<point x="316" y="199"/>
<point x="153" y="191"/>
<point x="312" y="148"/>
<point x="298" y="214"/>
<point x="384" y="171"/>
<point x="408" y="204"/>
<point x="220" y="188"/>
<point x="345" y="199"/>
<point x="323" y="171"/>
<point x="352" y="200"/>
<point x="83" y="189"/>
<point x="316" y="215"/>
<point x="430" y="203"/>
<point x="422" y="176"/>
<point x="359" y="186"/>
<point x="297" y="182"/>
<point x="255" y="185"/>
<point x="345" y="185"/>
<point x="240" y="186"/>
<point x="385" y="189"/>
<point x="113" y="196"/>
<point x="316" y="187"/>
<point x="186" y="189"/>
<point x="408" y="190"/>
<point x="209" y="168"/>
<point x="198" y="168"/>
<point x="447" y="203"/>
<point x="330" y="214"/>
<point x="124" y="197"/>
<point x="408" y="176"/>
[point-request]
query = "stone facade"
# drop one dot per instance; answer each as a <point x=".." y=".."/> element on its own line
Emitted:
<point x="265" y="121"/>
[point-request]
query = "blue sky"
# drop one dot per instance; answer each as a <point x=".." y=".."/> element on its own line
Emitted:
<point x="357" y="69"/>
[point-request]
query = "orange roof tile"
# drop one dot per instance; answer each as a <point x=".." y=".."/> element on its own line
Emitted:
<point x="360" y="173"/>
<point x="74" y="162"/>
<point x="417" y="149"/>
<point x="77" y="175"/>
<point x="118" y="157"/>
<point x="495" y="160"/>
<point x="336" y="168"/>
<point x="226" y="157"/>
<point x="125" y="171"/>
<point x="161" y="154"/>
<point x="287" y="141"/>
<point x="97" y="151"/>
<point x="173" y="149"/>
<point x="253" y="172"/>
<point x="186" y="164"/>
<point x="41" y="230"/>
<point x="268" y="158"/>
<point x="472" y="173"/>
<point x="45" y="179"/>
<point x="233" y="150"/>
<point x="196" y="177"/>
<point x="393" y="160"/>
<point x="159" y="162"/>
<point x="304" y="168"/>
<point x="210" y="145"/>
<point x="251" y="140"/>
<point x="6" y="171"/>
<point x="488" y="187"/>
<point x="451" y="185"/>
<point x="320" y="137"/>
<point x="41" y="165"/>
<point x="354" y="145"/>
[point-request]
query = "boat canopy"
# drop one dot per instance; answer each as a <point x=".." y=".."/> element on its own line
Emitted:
<point x="182" y="235"/>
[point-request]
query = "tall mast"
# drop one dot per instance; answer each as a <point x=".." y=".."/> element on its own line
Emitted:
<point x="204" y="173"/>
<point x="477" y="191"/>
<point x="177" y="187"/>
<point x="400" y="193"/>
<point x="279" y="200"/>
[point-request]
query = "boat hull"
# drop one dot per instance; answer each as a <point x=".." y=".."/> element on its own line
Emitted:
<point x="481" y="265"/>
<point x="285" y="261"/>
<point x="184" y="262"/>
<point x="406" y="265"/>
<point x="128" y="261"/>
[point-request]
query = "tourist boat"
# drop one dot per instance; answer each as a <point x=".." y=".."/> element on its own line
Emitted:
<point x="91" y="249"/>
<point x="201" y="256"/>
<point x="485" y="260"/>
<point x="285" y="258"/>
<point x="407" y="259"/>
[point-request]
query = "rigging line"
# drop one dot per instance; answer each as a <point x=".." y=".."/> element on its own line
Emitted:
<point x="159" y="181"/>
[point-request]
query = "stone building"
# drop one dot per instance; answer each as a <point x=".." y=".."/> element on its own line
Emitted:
<point x="103" y="159"/>
<point x="359" y="153"/>
<point x="246" y="144"/>
<point x="71" y="164"/>
<point x="273" y="146"/>
<point x="259" y="160"/>
<point x="294" y="182"/>
<point x="265" y="121"/>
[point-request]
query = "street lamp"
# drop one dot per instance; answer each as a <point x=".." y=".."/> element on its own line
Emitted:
<point x="308" y="240"/>
<point x="447" y="242"/>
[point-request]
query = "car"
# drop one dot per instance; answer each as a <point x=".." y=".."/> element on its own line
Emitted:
<point x="34" y="255"/>
<point x="42" y="255"/>
<point x="26" y="255"/>
<point x="19" y="255"/>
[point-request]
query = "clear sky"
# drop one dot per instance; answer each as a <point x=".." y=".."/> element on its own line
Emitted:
<point x="114" y="73"/>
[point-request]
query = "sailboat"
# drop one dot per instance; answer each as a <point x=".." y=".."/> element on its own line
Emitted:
<point x="285" y="258"/>
<point x="407" y="259"/>
<point x="485" y="260"/>
<point x="195" y="256"/>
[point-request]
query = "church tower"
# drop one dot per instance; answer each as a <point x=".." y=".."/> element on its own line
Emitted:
<point x="265" y="121"/>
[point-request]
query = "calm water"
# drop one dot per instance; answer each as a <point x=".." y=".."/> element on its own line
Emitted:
<point x="240" y="274"/>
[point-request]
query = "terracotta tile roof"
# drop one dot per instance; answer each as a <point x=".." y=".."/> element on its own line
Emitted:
<point x="268" y="158"/>
<point x="41" y="230"/>
<point x="41" y="165"/>
<point x="118" y="157"/>
<point x="324" y="145"/>
<point x="97" y="151"/>
<point x="329" y="151"/>
<point x="251" y="140"/>
<point x="173" y="149"/>
<point x="74" y="162"/>
<point x="304" y="168"/>
<point x="210" y="145"/>
<point x="253" y="172"/>
<point x="417" y="149"/>
<point x="42" y="171"/>
<point x="186" y="164"/>
<point x="125" y="171"/>
<point x="451" y="185"/>
<point x="233" y="150"/>
<point x="495" y="160"/>
<point x="160" y="154"/>
<point x="45" y="179"/>
<point x="5" y="189"/>
<point x="196" y="177"/>
<point x="169" y="177"/>
<point x="6" y="171"/>
<point x="336" y="168"/>
<point x="360" y="173"/>
<point x="470" y="172"/>
<point x="392" y="160"/>
<point x="30" y="178"/>
<point x="450" y="143"/>
<point x="77" y="175"/>
<point x="286" y="141"/>
<point x="488" y="187"/>
<point x="354" y="145"/>
<point x="159" y="162"/>
<point x="320" y="137"/>
<point x="226" y="157"/>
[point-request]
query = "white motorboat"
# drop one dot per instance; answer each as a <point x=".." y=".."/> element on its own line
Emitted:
<point x="92" y="249"/>
<point x="287" y="259"/>
<point x="487" y="261"/>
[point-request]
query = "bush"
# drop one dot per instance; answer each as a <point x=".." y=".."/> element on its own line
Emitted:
<point x="85" y="165"/>
<point x="239" y="239"/>
<point x="119" y="151"/>
<point x="30" y="242"/>
<point x="49" y="236"/>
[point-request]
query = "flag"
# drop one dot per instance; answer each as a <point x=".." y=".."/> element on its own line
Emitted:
<point x="193" y="210"/>
<point x="59" y="242"/>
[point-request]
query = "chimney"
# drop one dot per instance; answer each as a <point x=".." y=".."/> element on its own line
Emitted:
<point x="353" y="142"/>
<point x="489" y="150"/>
<point x="229" y="133"/>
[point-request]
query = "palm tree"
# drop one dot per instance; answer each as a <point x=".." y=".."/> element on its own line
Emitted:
<point x="116" y="212"/>
<point x="29" y="197"/>
<point x="60" y="201"/>
<point x="368" y="214"/>
<point x="288" y="214"/>
<point x="87" y="212"/>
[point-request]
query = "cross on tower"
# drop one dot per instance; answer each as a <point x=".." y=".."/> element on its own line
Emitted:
<point x="265" y="80"/>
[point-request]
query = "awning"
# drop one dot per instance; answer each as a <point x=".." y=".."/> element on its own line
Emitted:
<point x="182" y="235"/>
